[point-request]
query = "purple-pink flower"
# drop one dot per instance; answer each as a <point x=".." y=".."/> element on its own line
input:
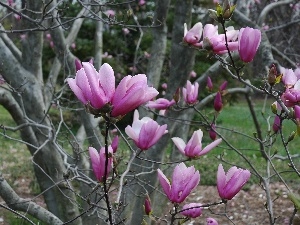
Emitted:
<point x="192" y="210"/>
<point x="209" y="84"/>
<point x="92" y="87"/>
<point x="131" y="92"/>
<point x="249" y="40"/>
<point x="145" y="132"/>
<point x="147" y="205"/>
<point x="97" y="89"/>
<point x="184" y="180"/>
<point x="211" y="221"/>
<point x="231" y="183"/>
<point x="276" y="124"/>
<point x="218" y="103"/>
<point x="190" y="93"/>
<point x="212" y="132"/>
<point x="98" y="162"/>
<point x="194" y="146"/>
<point x="193" y="35"/>
<point x="160" y="103"/>
<point x="216" y="42"/>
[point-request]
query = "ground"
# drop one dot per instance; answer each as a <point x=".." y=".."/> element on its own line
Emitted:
<point x="247" y="208"/>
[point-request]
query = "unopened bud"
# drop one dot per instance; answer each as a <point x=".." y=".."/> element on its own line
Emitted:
<point x="292" y="135"/>
<point x="147" y="205"/>
<point x="274" y="107"/>
<point x="272" y="75"/>
<point x="176" y="96"/>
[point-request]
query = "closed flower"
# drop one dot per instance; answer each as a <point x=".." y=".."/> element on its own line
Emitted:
<point x="248" y="43"/>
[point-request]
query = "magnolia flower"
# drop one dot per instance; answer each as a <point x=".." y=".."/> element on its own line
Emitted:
<point x="115" y="143"/>
<point x="211" y="221"/>
<point x="193" y="36"/>
<point x="223" y="86"/>
<point x="249" y="40"/>
<point x="131" y="92"/>
<point x="218" y="104"/>
<point x="98" y="162"/>
<point x="194" y="146"/>
<point x="147" y="205"/>
<point x="160" y="103"/>
<point x="145" y="132"/>
<point x="297" y="112"/>
<point x="91" y="87"/>
<point x="215" y="42"/>
<point x="192" y="210"/>
<point x="289" y="78"/>
<point x="209" y="84"/>
<point x="276" y="124"/>
<point x="291" y="96"/>
<point x="184" y="180"/>
<point x="212" y="132"/>
<point x="231" y="183"/>
<point x="125" y="30"/>
<point x="110" y="13"/>
<point x="190" y="93"/>
<point x="142" y="2"/>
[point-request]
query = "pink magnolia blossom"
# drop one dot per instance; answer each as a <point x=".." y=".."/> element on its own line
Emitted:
<point x="289" y="78"/>
<point x="291" y="96"/>
<point x="125" y="30"/>
<point x="276" y="124"/>
<point x="142" y="2"/>
<point x="231" y="183"/>
<point x="145" y="132"/>
<point x="160" y="103"/>
<point x="216" y="42"/>
<point x="110" y="13"/>
<point x="98" y="162"/>
<point x="193" y="74"/>
<point x="190" y="93"/>
<point x="223" y="86"/>
<point x="184" y="180"/>
<point x="92" y="87"/>
<point x="192" y="210"/>
<point x="248" y="40"/>
<point x="194" y="146"/>
<point x="164" y="86"/>
<point x="297" y="112"/>
<point x="193" y="35"/>
<point x="218" y="104"/>
<point x="115" y="143"/>
<point x="212" y="132"/>
<point x="147" y="205"/>
<point x="209" y="84"/>
<point x="131" y="92"/>
<point x="211" y="221"/>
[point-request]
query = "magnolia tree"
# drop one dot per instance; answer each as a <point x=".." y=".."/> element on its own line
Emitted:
<point x="122" y="175"/>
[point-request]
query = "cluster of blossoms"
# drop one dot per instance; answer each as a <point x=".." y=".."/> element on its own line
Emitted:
<point x="185" y="179"/>
<point x="291" y="95"/>
<point x="97" y="91"/>
<point x="246" y="40"/>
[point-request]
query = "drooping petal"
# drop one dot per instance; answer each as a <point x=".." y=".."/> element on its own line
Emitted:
<point x="210" y="146"/>
<point x="77" y="91"/>
<point x="164" y="182"/>
<point x="180" y="144"/>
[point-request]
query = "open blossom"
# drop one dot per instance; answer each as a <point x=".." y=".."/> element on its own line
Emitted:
<point x="289" y="78"/>
<point x="145" y="132"/>
<point x="216" y="42"/>
<point x="194" y="146"/>
<point x="184" y="180"/>
<point x="98" y="162"/>
<point x="249" y="40"/>
<point x="97" y="89"/>
<point x="231" y="183"/>
<point x="193" y="35"/>
<point x="131" y="92"/>
<point x="92" y="87"/>
<point x="160" y="103"/>
<point x="190" y="93"/>
<point x="192" y="210"/>
<point x="211" y="221"/>
<point x="291" y="96"/>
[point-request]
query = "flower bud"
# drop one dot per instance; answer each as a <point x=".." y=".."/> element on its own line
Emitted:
<point x="147" y="205"/>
